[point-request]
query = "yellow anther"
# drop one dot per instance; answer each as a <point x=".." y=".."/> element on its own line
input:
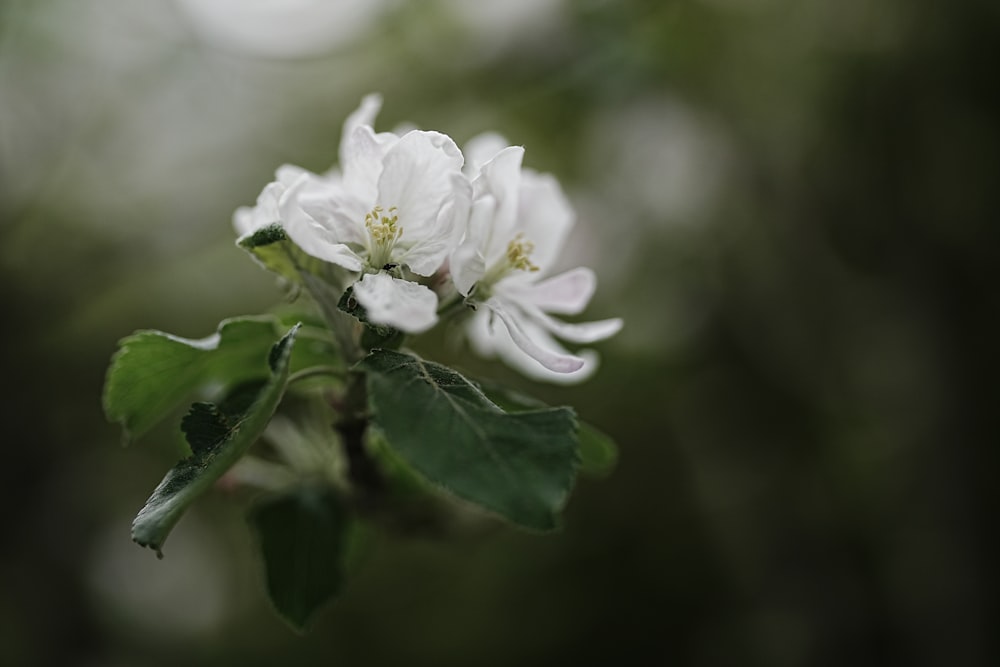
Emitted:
<point x="519" y="253"/>
<point x="383" y="229"/>
<point x="517" y="258"/>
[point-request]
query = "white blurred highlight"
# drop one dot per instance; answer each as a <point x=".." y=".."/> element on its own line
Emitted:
<point x="282" y="28"/>
<point x="186" y="595"/>
<point x="663" y="158"/>
<point x="497" y="24"/>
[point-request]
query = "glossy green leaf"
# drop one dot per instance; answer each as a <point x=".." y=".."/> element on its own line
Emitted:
<point x="518" y="465"/>
<point x="218" y="439"/>
<point x="153" y="373"/>
<point x="598" y="451"/>
<point x="302" y="536"/>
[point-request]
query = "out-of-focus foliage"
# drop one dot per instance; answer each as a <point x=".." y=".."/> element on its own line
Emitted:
<point x="792" y="204"/>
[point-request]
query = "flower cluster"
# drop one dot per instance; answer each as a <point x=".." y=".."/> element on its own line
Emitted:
<point x="417" y="223"/>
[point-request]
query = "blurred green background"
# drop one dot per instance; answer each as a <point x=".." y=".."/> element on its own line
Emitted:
<point x="792" y="204"/>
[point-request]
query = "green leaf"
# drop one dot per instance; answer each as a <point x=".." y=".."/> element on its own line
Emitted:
<point x="205" y="426"/>
<point x="273" y="250"/>
<point x="217" y="441"/>
<point x="598" y="452"/>
<point x="520" y="465"/>
<point x="153" y="373"/>
<point x="303" y="538"/>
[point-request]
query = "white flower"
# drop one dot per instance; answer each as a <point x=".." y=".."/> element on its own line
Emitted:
<point x="517" y="225"/>
<point x="249" y="219"/>
<point x="392" y="206"/>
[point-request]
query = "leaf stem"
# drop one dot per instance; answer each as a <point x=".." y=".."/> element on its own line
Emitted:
<point x="316" y="371"/>
<point x="362" y="471"/>
<point x="326" y="296"/>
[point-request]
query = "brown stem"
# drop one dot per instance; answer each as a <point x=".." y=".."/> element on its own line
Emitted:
<point x="362" y="471"/>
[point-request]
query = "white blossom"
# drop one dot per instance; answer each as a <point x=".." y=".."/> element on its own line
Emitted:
<point x="406" y="204"/>
<point x="392" y="206"/>
<point x="517" y="225"/>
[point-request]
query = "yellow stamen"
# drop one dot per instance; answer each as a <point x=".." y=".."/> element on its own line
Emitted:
<point x="519" y="252"/>
<point x="384" y="229"/>
<point x="517" y="258"/>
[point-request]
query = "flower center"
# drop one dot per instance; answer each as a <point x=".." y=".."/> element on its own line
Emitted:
<point x="383" y="231"/>
<point x="518" y="254"/>
<point x="517" y="258"/>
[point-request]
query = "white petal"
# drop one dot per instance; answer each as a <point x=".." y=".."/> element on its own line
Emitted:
<point x="468" y="263"/>
<point x="335" y="209"/>
<point x="500" y="178"/>
<point x="544" y="216"/>
<point x="362" y="149"/>
<point x="417" y="178"/>
<point x="361" y="164"/>
<point x="310" y="235"/>
<point x="495" y="341"/>
<point x="287" y="174"/>
<point x="365" y="114"/>
<point x="467" y="266"/>
<point x="521" y="335"/>
<point x="528" y="367"/>
<point x="243" y="221"/>
<point x="397" y="303"/>
<point x="483" y="336"/>
<point x="582" y="332"/>
<point x="565" y="294"/>
<point x="248" y="219"/>
<point x="426" y="255"/>
<point x="456" y="211"/>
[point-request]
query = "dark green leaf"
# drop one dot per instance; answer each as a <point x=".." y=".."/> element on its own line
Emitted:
<point x="520" y="466"/>
<point x="153" y="373"/>
<point x="598" y="452"/>
<point x="217" y="442"/>
<point x="302" y="536"/>
<point x="204" y="426"/>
